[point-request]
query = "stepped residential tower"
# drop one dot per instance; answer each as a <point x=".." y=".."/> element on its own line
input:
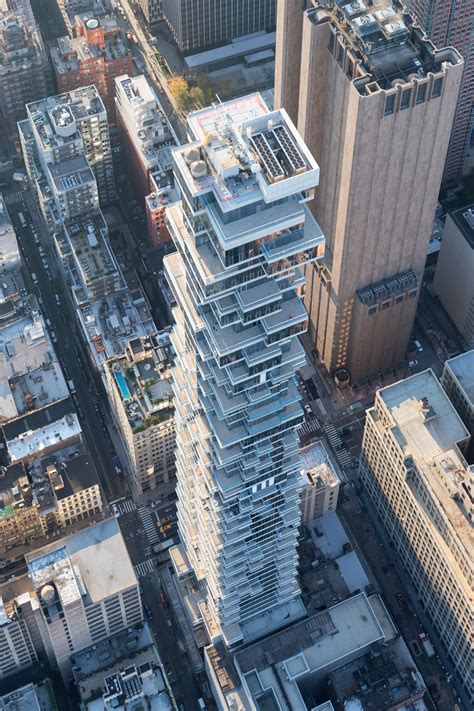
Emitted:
<point x="244" y="234"/>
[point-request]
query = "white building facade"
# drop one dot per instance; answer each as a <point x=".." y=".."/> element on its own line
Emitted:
<point x="243" y="233"/>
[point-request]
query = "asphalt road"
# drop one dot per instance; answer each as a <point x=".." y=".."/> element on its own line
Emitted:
<point x="138" y="538"/>
<point x="68" y="346"/>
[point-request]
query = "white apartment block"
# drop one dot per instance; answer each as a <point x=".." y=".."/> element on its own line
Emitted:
<point x="140" y="394"/>
<point x="458" y="383"/>
<point x="63" y="139"/>
<point x="413" y="469"/>
<point x="84" y="589"/>
<point x="142" y="116"/>
<point x="321" y="483"/>
<point x="244" y="233"/>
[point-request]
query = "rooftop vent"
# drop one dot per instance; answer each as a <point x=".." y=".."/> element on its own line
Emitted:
<point x="427" y="411"/>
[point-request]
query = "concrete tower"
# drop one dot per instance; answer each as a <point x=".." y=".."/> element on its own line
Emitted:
<point x="374" y="101"/>
<point x="244" y="233"/>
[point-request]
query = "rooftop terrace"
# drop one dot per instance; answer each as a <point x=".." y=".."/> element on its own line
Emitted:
<point x="68" y="54"/>
<point x="143" y="379"/>
<point x="243" y="154"/>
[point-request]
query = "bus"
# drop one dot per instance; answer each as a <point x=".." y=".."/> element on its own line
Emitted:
<point x="22" y="219"/>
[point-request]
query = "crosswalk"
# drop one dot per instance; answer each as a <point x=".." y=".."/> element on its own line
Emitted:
<point x="124" y="507"/>
<point x="342" y="454"/>
<point x="308" y="428"/>
<point x="13" y="198"/>
<point x="143" y="568"/>
<point x="149" y="525"/>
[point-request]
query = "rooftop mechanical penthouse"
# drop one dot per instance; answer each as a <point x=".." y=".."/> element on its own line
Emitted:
<point x="244" y="233"/>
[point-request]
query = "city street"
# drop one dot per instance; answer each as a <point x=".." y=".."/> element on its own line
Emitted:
<point x="68" y="346"/>
<point x="373" y="546"/>
<point x="139" y="526"/>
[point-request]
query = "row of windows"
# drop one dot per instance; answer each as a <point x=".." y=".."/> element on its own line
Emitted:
<point x="413" y="96"/>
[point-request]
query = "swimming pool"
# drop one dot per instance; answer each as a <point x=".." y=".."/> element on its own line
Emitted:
<point x="122" y="384"/>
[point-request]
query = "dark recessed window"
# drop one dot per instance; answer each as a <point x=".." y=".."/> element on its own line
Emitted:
<point x="405" y="102"/>
<point x="389" y="105"/>
<point x="412" y="294"/>
<point x="372" y="310"/>
<point x="331" y="42"/>
<point x="421" y="93"/>
<point x="398" y="299"/>
<point x="385" y="305"/>
<point x="340" y="54"/>
<point x="437" y="86"/>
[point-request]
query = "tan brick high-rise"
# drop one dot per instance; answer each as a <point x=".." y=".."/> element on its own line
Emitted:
<point x="374" y="100"/>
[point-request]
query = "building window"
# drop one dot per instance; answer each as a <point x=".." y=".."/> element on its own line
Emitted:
<point x="340" y="54"/>
<point x="421" y="93"/>
<point x="331" y="42"/>
<point x="437" y="86"/>
<point x="372" y="310"/>
<point x="389" y="105"/>
<point x="412" y="294"/>
<point x="398" y="299"/>
<point x="405" y="102"/>
<point x="385" y="305"/>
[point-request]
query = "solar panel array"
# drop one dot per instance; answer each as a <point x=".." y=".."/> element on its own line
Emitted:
<point x="278" y="153"/>
<point x="289" y="149"/>
<point x="267" y="157"/>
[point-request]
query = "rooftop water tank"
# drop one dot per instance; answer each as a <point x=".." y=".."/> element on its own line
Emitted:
<point x="92" y="24"/>
<point x="192" y="155"/>
<point x="48" y="593"/>
<point x="198" y="169"/>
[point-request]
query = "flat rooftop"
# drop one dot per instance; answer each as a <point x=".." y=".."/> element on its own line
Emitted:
<point x="30" y="376"/>
<point x="245" y="154"/>
<point x="93" y="563"/>
<point x="72" y="173"/>
<point x="114" y="650"/>
<point x="9" y="249"/>
<point x="32" y="697"/>
<point x="236" y="48"/>
<point x="317" y="465"/>
<point x="462" y="367"/>
<point x="143" y="379"/>
<point x="47" y="480"/>
<point x="110" y="323"/>
<point x="87" y="240"/>
<point x="30" y="443"/>
<point x="68" y="54"/>
<point x="56" y="117"/>
<point x="464" y="220"/>
<point x="384" y="38"/>
<point x="314" y="646"/>
<point x="427" y="427"/>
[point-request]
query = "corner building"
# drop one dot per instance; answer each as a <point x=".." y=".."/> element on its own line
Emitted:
<point x="374" y="100"/>
<point x="244" y="233"/>
<point x="414" y="471"/>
